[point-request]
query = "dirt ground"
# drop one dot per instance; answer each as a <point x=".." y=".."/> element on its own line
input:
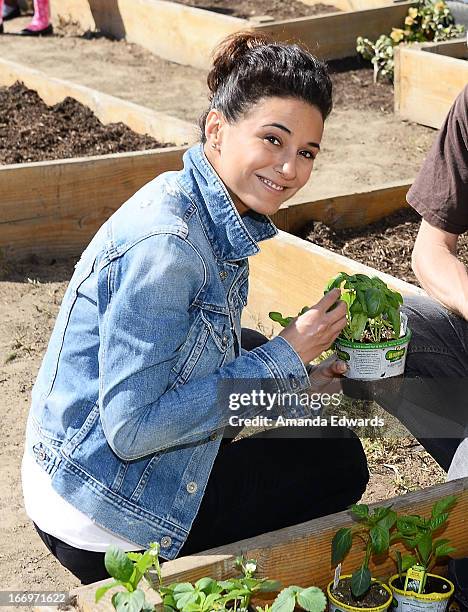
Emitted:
<point x="385" y="245"/>
<point x="355" y="154"/>
<point x="364" y="145"/>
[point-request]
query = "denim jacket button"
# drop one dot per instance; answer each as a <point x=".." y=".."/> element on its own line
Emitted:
<point x="192" y="487"/>
<point x="225" y="340"/>
<point x="41" y="454"/>
<point x="223" y="275"/>
<point x="213" y="436"/>
<point x="166" y="541"/>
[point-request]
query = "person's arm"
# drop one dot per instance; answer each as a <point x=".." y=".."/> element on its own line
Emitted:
<point x="144" y="298"/>
<point x="437" y="268"/>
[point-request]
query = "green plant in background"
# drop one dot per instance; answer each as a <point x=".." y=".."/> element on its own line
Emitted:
<point x="427" y="22"/>
<point x="374" y="531"/>
<point x="372" y="308"/>
<point x="417" y="534"/>
<point x="128" y="569"/>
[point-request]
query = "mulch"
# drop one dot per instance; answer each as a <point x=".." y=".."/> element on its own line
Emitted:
<point x="278" y="9"/>
<point x="31" y="131"/>
<point x="386" y="245"/>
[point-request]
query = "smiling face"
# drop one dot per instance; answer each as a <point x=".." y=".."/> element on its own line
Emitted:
<point x="267" y="155"/>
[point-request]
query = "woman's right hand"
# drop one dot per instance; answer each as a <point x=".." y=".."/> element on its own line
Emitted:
<point x="315" y="330"/>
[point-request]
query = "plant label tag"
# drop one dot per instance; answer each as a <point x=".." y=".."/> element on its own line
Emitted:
<point x="336" y="579"/>
<point x="415" y="579"/>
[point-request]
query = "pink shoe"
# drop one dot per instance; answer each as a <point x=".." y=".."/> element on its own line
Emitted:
<point x="40" y="24"/>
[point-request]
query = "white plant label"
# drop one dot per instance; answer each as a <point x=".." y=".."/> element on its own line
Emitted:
<point x="336" y="579"/>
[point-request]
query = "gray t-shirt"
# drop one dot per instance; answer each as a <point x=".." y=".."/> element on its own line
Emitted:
<point x="440" y="192"/>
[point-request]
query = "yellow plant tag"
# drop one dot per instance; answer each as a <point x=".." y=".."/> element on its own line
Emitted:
<point x="415" y="579"/>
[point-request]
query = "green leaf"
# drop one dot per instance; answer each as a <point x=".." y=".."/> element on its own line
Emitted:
<point x="437" y="521"/>
<point x="393" y="315"/>
<point x="375" y="301"/>
<point x="407" y="561"/>
<point x="101" y="591"/>
<point x="341" y="544"/>
<point x="335" y="282"/>
<point x="360" y="581"/>
<point x="357" y="325"/>
<point x="443" y="550"/>
<point x="360" y="511"/>
<point x="380" y="539"/>
<point x="424" y="546"/>
<point x="278" y="318"/>
<point x="267" y="586"/>
<point x="205" y="583"/>
<point x="118" y="564"/>
<point x="286" y="600"/>
<point x="443" y="505"/>
<point x="389" y="520"/>
<point x="312" y="599"/>
<point x="129" y="602"/>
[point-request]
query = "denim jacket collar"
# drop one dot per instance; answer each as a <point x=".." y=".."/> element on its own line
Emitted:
<point x="233" y="237"/>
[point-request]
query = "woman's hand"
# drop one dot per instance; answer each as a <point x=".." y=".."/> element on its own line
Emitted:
<point x="325" y="377"/>
<point x="315" y="330"/>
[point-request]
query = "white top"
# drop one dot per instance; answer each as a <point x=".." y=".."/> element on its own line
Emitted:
<point x="55" y="516"/>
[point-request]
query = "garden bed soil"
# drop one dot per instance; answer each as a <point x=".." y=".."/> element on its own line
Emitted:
<point x="31" y="131"/>
<point x="364" y="144"/>
<point x="246" y="9"/>
<point x="376" y="595"/>
<point x="386" y="245"/>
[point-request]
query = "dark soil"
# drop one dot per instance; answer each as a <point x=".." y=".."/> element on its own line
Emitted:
<point x="278" y="9"/>
<point x="386" y="245"/>
<point x="354" y="87"/>
<point x="433" y="585"/>
<point x="375" y="596"/>
<point x="32" y="131"/>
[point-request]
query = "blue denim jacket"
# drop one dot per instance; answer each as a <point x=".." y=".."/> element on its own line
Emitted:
<point x="126" y="415"/>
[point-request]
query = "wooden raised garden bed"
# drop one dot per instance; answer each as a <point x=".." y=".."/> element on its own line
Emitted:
<point x="300" y="554"/>
<point x="54" y="207"/>
<point x="188" y="35"/>
<point x="428" y="78"/>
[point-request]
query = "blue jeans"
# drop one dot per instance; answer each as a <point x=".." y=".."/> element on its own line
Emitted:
<point x="432" y="399"/>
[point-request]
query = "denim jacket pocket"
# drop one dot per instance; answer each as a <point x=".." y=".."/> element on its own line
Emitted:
<point x="219" y="326"/>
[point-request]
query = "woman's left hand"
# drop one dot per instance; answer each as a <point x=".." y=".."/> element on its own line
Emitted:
<point x="325" y="376"/>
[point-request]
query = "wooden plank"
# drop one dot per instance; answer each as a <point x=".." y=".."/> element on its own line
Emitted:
<point x="351" y="210"/>
<point x="301" y="554"/>
<point x="428" y="79"/>
<point x="54" y="208"/>
<point x="108" y="109"/>
<point x="333" y="36"/>
<point x="290" y="273"/>
<point x="188" y="35"/>
<point x="173" y="31"/>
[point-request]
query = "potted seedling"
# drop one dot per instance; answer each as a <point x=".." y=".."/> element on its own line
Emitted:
<point x="375" y="340"/>
<point x="414" y="588"/>
<point x="354" y="592"/>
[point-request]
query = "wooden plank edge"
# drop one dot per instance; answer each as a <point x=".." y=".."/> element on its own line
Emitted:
<point x="107" y="108"/>
<point x="356" y="209"/>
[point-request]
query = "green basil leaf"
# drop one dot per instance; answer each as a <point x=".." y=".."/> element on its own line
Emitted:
<point x="341" y="545"/>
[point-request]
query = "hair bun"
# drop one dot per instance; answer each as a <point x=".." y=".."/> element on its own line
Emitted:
<point x="230" y="52"/>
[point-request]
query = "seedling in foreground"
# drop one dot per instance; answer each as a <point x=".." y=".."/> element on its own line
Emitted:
<point x="374" y="531"/>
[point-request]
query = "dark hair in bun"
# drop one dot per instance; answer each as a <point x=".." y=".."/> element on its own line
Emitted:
<point x="249" y="66"/>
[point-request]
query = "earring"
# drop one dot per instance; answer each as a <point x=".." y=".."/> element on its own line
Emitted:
<point x="214" y="145"/>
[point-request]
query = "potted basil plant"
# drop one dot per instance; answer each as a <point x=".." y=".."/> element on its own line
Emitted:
<point x="375" y="341"/>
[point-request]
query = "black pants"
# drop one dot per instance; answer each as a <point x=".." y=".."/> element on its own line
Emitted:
<point x="258" y="484"/>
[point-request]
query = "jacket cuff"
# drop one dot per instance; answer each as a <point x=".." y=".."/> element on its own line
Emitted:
<point x="284" y="363"/>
